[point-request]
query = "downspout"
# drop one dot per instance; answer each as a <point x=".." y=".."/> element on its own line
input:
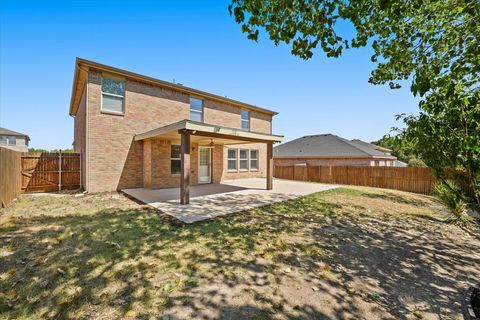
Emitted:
<point x="87" y="141"/>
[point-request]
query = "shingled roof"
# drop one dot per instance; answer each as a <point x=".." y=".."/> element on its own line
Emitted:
<point x="7" y="132"/>
<point x="329" y="146"/>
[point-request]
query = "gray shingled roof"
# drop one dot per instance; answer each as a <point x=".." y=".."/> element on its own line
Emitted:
<point x="7" y="132"/>
<point x="362" y="144"/>
<point x="327" y="145"/>
<point x="399" y="163"/>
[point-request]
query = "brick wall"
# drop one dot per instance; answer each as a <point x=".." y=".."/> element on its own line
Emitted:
<point x="157" y="171"/>
<point x="116" y="161"/>
<point x="260" y="122"/>
<point x="79" y="135"/>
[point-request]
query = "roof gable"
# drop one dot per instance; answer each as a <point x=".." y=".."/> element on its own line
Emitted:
<point x="82" y="66"/>
<point x="8" y="132"/>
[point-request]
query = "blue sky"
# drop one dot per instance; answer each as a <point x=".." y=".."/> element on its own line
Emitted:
<point x="198" y="45"/>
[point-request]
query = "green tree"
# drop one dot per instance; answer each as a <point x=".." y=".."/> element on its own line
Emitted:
<point x="401" y="148"/>
<point x="433" y="43"/>
<point x="447" y="133"/>
<point x="40" y="150"/>
<point x="416" y="163"/>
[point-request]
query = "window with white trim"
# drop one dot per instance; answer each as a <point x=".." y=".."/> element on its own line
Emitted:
<point x="113" y="95"/>
<point x="175" y="160"/>
<point x="196" y="109"/>
<point x="232" y="160"/>
<point x="12" y="141"/>
<point x="253" y="159"/>
<point x="245" y="114"/>
<point x="243" y="161"/>
<point x="8" y="140"/>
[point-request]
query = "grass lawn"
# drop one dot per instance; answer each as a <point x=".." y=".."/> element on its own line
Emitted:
<point x="349" y="253"/>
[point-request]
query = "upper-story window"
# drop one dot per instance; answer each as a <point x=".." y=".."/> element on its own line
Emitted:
<point x="113" y="95"/>
<point x="196" y="109"/>
<point x="8" y="140"/>
<point x="245" y="119"/>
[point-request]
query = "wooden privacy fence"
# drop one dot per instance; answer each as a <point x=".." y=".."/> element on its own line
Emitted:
<point x="418" y="180"/>
<point x="45" y="172"/>
<point x="10" y="175"/>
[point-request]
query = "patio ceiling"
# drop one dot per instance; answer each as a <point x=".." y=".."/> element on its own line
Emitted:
<point x="204" y="133"/>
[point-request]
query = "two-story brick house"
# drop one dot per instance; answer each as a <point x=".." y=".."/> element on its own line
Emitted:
<point x="136" y="131"/>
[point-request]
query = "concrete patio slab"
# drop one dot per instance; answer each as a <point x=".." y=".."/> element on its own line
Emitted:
<point x="213" y="200"/>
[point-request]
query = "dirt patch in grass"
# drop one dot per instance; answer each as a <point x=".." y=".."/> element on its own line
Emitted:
<point x="351" y="253"/>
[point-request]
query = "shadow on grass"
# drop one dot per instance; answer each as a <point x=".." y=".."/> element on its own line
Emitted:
<point x="383" y="194"/>
<point x="409" y="266"/>
<point x="116" y="261"/>
<point x="56" y="266"/>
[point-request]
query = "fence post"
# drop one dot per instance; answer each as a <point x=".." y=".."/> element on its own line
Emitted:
<point x="80" y="169"/>
<point x="60" y="171"/>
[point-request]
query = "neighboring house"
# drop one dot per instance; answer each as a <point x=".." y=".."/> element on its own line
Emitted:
<point x="401" y="164"/>
<point x="133" y="131"/>
<point x="14" y="140"/>
<point x="331" y="150"/>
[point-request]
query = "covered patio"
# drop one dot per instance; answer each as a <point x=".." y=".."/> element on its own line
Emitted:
<point x="186" y="133"/>
<point x="213" y="200"/>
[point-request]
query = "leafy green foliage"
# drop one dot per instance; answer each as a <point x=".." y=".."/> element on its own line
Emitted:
<point x="401" y="148"/>
<point x="447" y="132"/>
<point x="451" y="196"/>
<point x="434" y="43"/>
<point x="416" y="163"/>
<point x="425" y="38"/>
<point x="40" y="150"/>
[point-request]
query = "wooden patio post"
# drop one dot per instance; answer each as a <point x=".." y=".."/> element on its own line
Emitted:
<point x="269" y="166"/>
<point x="185" y="167"/>
<point x="60" y="171"/>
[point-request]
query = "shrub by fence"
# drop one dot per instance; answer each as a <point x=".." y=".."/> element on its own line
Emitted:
<point x="418" y="180"/>
<point x="10" y="175"/>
